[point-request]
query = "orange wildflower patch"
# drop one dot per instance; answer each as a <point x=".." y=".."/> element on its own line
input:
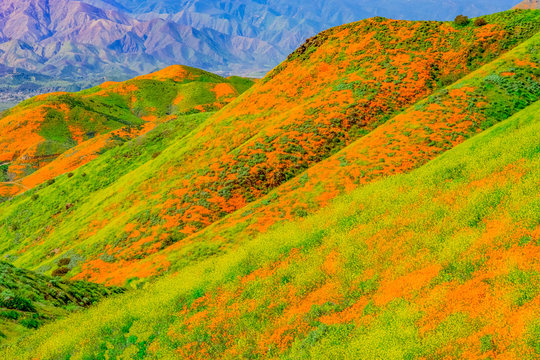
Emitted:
<point x="174" y="72"/>
<point x="405" y="285"/>
<point x="116" y="273"/>
<point x="223" y="90"/>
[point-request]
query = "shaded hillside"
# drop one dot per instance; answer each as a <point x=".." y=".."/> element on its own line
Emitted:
<point x="78" y="127"/>
<point x="29" y="300"/>
<point x="442" y="262"/>
<point x="347" y="83"/>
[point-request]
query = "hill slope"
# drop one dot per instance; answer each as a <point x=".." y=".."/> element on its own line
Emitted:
<point x="80" y="126"/>
<point x="439" y="262"/>
<point x="169" y="206"/>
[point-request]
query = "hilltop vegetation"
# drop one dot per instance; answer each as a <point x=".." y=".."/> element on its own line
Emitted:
<point x="277" y="219"/>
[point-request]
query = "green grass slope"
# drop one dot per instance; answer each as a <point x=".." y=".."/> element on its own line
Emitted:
<point x="28" y="300"/>
<point x="441" y="262"/>
<point x="117" y="219"/>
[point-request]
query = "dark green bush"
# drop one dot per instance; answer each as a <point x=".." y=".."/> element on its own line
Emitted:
<point x="17" y="303"/>
<point x="35" y="197"/>
<point x="10" y="314"/>
<point x="64" y="261"/>
<point x="30" y="323"/>
<point x="61" y="271"/>
<point x="480" y="22"/>
<point x="70" y="175"/>
<point x="461" y="20"/>
<point x="51" y="181"/>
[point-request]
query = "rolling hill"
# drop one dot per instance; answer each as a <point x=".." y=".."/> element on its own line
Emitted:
<point x="63" y="131"/>
<point x="278" y="223"/>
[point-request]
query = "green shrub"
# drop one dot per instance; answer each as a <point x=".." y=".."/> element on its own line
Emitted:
<point x="70" y="175"/>
<point x="480" y="22"/>
<point x="16" y="302"/>
<point x="51" y="181"/>
<point x="35" y="197"/>
<point x="461" y="20"/>
<point x="30" y="323"/>
<point x="64" y="261"/>
<point x="61" y="271"/>
<point x="10" y="314"/>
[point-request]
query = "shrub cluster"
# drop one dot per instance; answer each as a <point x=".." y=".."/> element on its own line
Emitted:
<point x="61" y="271"/>
<point x="480" y="22"/>
<point x="461" y="20"/>
<point x="64" y="261"/>
<point x="16" y="302"/>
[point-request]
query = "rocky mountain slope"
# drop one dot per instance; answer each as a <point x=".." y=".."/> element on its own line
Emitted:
<point x="74" y="39"/>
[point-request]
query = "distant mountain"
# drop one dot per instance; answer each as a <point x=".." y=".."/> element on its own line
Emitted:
<point x="88" y="42"/>
<point x="72" y="39"/>
<point x="528" y="4"/>
<point x="286" y="24"/>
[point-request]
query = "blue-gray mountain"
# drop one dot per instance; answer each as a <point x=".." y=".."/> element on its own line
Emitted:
<point x="88" y="42"/>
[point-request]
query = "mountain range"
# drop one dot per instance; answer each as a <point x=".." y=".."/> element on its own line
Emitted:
<point x="375" y="195"/>
<point x="73" y="45"/>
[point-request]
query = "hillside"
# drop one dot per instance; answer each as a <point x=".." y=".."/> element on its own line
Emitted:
<point x="441" y="262"/>
<point x="250" y="159"/>
<point x="274" y="220"/>
<point x="65" y="130"/>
